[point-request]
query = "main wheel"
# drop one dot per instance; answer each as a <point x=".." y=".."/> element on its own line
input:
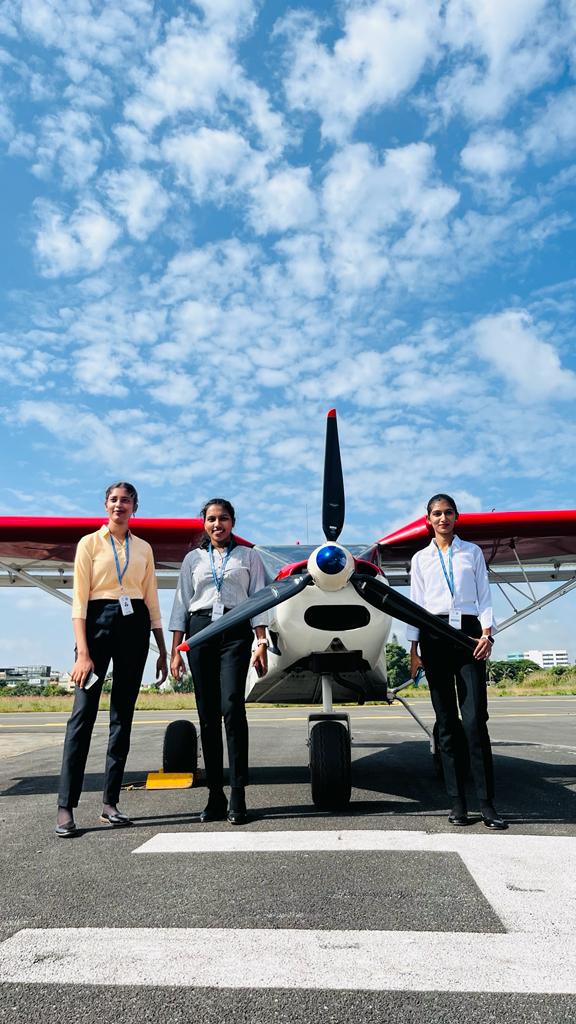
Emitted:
<point x="330" y="770"/>
<point x="180" y="750"/>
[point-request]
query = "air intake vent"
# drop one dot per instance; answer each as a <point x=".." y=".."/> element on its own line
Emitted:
<point x="338" y="617"/>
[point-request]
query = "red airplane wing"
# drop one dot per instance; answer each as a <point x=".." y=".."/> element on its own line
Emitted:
<point x="46" y="539"/>
<point x="536" y="537"/>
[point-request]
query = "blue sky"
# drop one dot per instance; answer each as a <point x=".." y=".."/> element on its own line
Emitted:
<point x="221" y="218"/>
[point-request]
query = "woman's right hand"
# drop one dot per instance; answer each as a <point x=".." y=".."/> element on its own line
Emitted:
<point x="83" y="666"/>
<point x="177" y="666"/>
<point x="415" y="663"/>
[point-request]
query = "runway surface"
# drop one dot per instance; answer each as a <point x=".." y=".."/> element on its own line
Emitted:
<point x="382" y="912"/>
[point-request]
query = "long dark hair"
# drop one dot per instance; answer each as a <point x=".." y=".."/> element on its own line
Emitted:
<point x="228" y="507"/>
<point x="131" y="490"/>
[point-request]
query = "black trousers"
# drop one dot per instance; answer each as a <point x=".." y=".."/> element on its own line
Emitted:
<point x="457" y="679"/>
<point x="219" y="668"/>
<point x="123" y="640"/>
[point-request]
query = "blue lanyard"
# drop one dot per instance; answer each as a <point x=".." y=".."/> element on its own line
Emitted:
<point x="448" y="576"/>
<point x="122" y="574"/>
<point x="218" y="580"/>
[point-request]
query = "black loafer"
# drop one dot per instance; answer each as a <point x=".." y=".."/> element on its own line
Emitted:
<point x="237" y="817"/>
<point x="458" y="819"/>
<point x="67" y="829"/>
<point x="116" y="819"/>
<point x="497" y="824"/>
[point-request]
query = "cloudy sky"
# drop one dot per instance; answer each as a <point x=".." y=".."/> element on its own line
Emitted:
<point x="221" y="218"/>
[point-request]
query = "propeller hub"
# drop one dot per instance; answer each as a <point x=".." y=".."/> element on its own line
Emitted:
<point x="331" y="566"/>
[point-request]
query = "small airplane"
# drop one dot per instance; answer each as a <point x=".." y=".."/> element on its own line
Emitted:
<point x="330" y="613"/>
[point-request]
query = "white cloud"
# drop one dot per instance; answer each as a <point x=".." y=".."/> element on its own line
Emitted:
<point x="511" y="343"/>
<point x="306" y="267"/>
<point x="195" y="69"/>
<point x="501" y="51"/>
<point x="283" y="201"/>
<point x="67" y="139"/>
<point x="212" y="161"/>
<point x="105" y="37"/>
<point x="384" y="48"/>
<point x="71" y="246"/>
<point x="139" y="198"/>
<point x="553" y="131"/>
<point x="492" y="153"/>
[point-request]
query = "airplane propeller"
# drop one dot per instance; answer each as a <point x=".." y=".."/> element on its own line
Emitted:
<point x="332" y="567"/>
<point x="333" y="504"/>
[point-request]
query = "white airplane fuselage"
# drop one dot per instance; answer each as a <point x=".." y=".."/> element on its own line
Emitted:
<point x="318" y="621"/>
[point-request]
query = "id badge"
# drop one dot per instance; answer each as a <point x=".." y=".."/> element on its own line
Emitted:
<point x="217" y="610"/>
<point x="455" y="619"/>
<point x="126" y="605"/>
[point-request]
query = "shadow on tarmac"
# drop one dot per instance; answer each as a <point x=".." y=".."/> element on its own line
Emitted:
<point x="398" y="777"/>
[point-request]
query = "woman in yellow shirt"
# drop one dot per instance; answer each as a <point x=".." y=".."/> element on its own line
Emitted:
<point x="115" y="605"/>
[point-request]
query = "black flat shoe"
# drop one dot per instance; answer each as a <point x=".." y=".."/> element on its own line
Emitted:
<point x="67" y="829"/>
<point x="459" y="819"/>
<point x="496" y="823"/>
<point x="116" y="819"/>
<point x="215" y="810"/>
<point x="237" y="817"/>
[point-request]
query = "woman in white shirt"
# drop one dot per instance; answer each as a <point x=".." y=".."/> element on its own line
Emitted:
<point x="449" y="578"/>
<point x="216" y="577"/>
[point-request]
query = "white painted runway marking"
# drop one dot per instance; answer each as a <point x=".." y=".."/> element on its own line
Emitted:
<point x="530" y="881"/>
<point x="270" y="958"/>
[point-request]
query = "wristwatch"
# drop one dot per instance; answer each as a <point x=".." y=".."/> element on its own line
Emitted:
<point x="261" y="643"/>
<point x="490" y="638"/>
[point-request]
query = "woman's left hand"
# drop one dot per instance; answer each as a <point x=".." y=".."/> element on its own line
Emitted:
<point x="260" y="660"/>
<point x="483" y="649"/>
<point x="162" y="668"/>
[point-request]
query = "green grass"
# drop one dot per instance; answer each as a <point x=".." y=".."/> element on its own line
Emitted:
<point x="537" y="684"/>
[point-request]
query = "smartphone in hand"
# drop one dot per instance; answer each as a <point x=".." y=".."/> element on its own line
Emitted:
<point x="92" y="678"/>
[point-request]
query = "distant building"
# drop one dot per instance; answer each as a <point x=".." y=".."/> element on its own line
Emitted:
<point x="548" y="659"/>
<point x="36" y="675"/>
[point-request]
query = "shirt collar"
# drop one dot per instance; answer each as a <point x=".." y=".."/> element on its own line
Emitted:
<point x="105" y="531"/>
<point x="456" y="544"/>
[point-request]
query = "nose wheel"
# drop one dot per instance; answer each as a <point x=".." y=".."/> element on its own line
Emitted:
<point x="330" y="756"/>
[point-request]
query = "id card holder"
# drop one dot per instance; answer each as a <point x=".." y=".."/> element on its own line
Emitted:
<point x="217" y="610"/>
<point x="126" y="605"/>
<point x="455" y="619"/>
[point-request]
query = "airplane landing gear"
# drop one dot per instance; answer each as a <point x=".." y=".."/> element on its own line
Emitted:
<point x="330" y="760"/>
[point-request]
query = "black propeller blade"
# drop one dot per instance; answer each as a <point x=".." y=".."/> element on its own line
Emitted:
<point x="383" y="597"/>
<point x="333" y="495"/>
<point x="266" y="598"/>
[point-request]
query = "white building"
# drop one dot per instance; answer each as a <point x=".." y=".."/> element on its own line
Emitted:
<point x="548" y="659"/>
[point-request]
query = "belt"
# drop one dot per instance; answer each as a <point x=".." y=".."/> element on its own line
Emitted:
<point x="207" y="611"/>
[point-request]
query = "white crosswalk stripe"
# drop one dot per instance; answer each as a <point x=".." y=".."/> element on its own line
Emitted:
<point x="530" y="882"/>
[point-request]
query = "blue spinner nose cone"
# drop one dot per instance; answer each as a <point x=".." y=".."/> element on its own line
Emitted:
<point x="331" y="559"/>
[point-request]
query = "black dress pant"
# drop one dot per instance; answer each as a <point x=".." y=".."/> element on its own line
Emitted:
<point x="455" y="679"/>
<point x="124" y="640"/>
<point x="219" y="668"/>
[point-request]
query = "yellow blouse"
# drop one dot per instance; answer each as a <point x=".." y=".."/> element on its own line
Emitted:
<point x="96" y="578"/>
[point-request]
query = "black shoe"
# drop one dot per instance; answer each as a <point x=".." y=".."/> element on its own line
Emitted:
<point x="67" y="829"/>
<point x="237" y="817"/>
<point x="116" y="819"/>
<point x="495" y="822"/>
<point x="459" y="815"/>
<point x="458" y="819"/>
<point x="215" y="810"/>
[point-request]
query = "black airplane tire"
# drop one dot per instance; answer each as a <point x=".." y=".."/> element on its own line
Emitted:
<point x="330" y="766"/>
<point x="180" y="749"/>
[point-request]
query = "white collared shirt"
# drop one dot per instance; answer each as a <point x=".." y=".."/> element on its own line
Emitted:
<point x="244" y="576"/>
<point x="429" y="587"/>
